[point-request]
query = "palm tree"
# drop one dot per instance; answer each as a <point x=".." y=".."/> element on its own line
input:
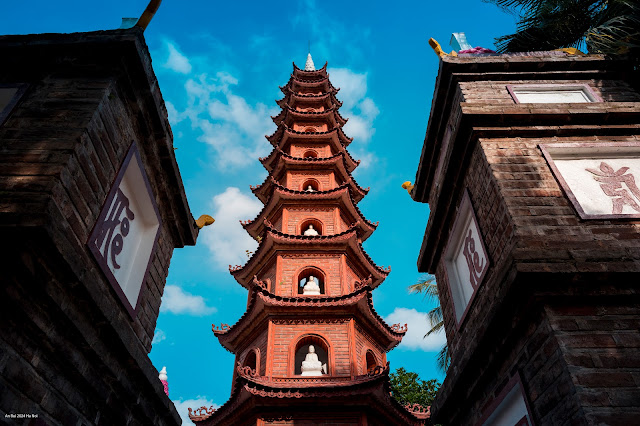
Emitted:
<point x="427" y="285"/>
<point x="602" y="26"/>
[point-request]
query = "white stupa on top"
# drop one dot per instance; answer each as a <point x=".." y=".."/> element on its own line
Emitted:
<point x="308" y="66"/>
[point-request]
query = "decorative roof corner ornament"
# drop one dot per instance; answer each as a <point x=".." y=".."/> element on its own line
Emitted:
<point x="204" y="220"/>
<point x="309" y="66"/>
<point x="459" y="42"/>
<point x="571" y="51"/>
<point x="438" y="49"/>
<point x="408" y="185"/>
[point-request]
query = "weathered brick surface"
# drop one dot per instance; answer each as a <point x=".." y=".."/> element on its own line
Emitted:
<point x="298" y="150"/>
<point x="330" y="265"/>
<point x="326" y="216"/>
<point x="326" y="179"/>
<point x="336" y="334"/>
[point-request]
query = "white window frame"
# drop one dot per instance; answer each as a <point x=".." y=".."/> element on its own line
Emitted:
<point x="588" y="93"/>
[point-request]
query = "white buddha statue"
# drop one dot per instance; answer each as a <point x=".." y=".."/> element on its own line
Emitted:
<point x="310" y="188"/>
<point x="311" y="232"/>
<point x="311" y="366"/>
<point x="311" y="287"/>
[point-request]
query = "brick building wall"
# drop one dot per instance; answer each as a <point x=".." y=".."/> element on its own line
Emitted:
<point x="556" y="309"/>
<point x="335" y="332"/>
<point x="71" y="351"/>
<point x="298" y="150"/>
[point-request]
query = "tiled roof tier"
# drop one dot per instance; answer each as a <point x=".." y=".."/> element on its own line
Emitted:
<point x="270" y="162"/>
<point x="339" y="197"/>
<point x="253" y="395"/>
<point x="265" y="306"/>
<point x="308" y="85"/>
<point x="292" y="99"/>
<point x="273" y="242"/>
<point x="263" y="191"/>
<point x="304" y="74"/>
<point x="288" y="115"/>
<point x="284" y="133"/>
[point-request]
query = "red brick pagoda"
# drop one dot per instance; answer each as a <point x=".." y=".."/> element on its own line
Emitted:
<point x="310" y="349"/>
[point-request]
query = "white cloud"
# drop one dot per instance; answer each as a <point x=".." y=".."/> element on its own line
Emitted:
<point x="178" y="301"/>
<point x="417" y="327"/>
<point x="360" y="109"/>
<point x="227" y="239"/>
<point x="183" y="407"/>
<point x="158" y="337"/>
<point x="177" y="61"/>
<point x="230" y="124"/>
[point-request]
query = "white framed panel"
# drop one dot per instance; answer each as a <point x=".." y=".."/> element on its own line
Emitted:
<point x="466" y="259"/>
<point x="124" y="236"/>
<point x="600" y="179"/>
<point x="552" y="93"/>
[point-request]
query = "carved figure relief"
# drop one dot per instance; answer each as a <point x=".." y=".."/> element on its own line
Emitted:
<point x="599" y="179"/>
<point x="611" y="182"/>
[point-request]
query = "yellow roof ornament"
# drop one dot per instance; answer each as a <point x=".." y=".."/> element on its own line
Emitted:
<point x="571" y="51"/>
<point x="204" y="220"/>
<point x="408" y="186"/>
<point x="436" y="48"/>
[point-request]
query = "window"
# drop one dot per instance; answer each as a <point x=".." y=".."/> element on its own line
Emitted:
<point x="308" y="226"/>
<point x="10" y="94"/>
<point x="552" y="93"/>
<point x="126" y="231"/>
<point x="509" y="407"/>
<point x="371" y="361"/>
<point x="310" y="185"/>
<point x="315" y="365"/>
<point x="311" y="282"/>
<point x="251" y="360"/>
<point x="466" y="259"/>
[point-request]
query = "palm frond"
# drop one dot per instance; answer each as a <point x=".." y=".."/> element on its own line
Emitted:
<point x="444" y="359"/>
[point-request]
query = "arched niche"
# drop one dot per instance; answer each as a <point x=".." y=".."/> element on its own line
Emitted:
<point x="305" y="274"/>
<point x="313" y="183"/>
<point x="252" y="359"/>
<point x="317" y="225"/>
<point x="310" y="154"/>
<point x="301" y="350"/>
<point x="370" y="361"/>
<point x="310" y="129"/>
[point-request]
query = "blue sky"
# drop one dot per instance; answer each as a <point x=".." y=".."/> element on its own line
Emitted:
<point x="219" y="65"/>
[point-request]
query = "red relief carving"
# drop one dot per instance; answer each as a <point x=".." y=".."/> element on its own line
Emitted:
<point x="417" y="408"/>
<point x="223" y="328"/>
<point x="473" y="260"/>
<point x="303" y="321"/>
<point x="611" y="184"/>
<point x="399" y="328"/>
<point x="201" y="413"/>
<point x="246" y="371"/>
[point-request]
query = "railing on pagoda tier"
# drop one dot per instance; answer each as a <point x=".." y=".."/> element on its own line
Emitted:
<point x="294" y="381"/>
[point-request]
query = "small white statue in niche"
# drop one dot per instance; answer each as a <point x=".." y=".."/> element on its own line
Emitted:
<point x="311" y="366"/>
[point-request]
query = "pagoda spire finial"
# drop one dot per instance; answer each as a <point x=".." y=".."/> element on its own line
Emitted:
<point x="309" y="66"/>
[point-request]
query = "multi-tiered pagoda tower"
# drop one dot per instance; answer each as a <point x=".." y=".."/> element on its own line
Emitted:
<point x="310" y="348"/>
